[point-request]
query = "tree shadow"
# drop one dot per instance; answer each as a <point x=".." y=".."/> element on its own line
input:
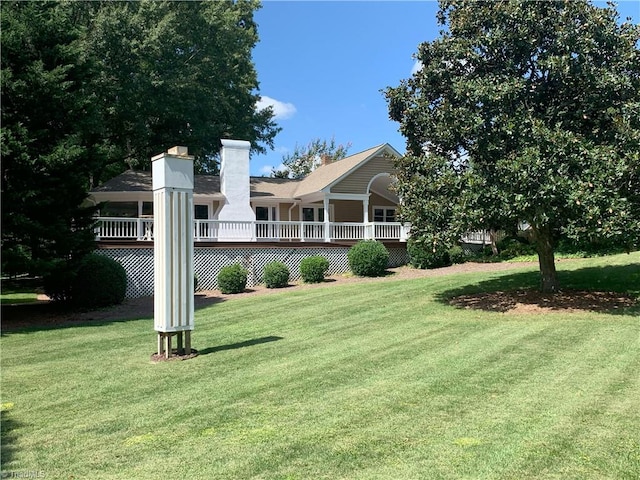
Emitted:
<point x="609" y="289"/>
<point x="47" y="315"/>
<point x="234" y="346"/>
<point x="8" y="427"/>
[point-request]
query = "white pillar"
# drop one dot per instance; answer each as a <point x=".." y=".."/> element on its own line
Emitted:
<point x="327" y="224"/>
<point x="368" y="229"/>
<point x="173" y="245"/>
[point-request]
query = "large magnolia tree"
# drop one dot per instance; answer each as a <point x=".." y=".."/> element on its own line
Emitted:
<point x="523" y="112"/>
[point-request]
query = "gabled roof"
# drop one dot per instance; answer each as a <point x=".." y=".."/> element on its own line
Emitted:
<point x="327" y="175"/>
<point x="276" y="188"/>
<point x="137" y="181"/>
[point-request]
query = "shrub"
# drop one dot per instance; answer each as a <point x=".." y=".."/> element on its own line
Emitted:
<point x="368" y="258"/>
<point x="58" y="280"/>
<point x="422" y="256"/>
<point x="514" y="247"/>
<point x="458" y="255"/>
<point x="276" y="275"/>
<point x="312" y="269"/>
<point x="99" y="282"/>
<point x="232" y="279"/>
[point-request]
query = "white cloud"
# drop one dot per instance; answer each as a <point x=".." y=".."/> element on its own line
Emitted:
<point x="265" y="170"/>
<point x="416" y="67"/>
<point x="281" y="110"/>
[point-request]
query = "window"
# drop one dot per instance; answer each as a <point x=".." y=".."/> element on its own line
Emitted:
<point x="147" y="209"/>
<point x="313" y="214"/>
<point x="262" y="214"/>
<point x="201" y="212"/>
<point x="120" y="209"/>
<point x="384" y="214"/>
<point x="266" y="230"/>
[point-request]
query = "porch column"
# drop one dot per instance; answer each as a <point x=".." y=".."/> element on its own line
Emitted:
<point x="327" y="225"/>
<point x="365" y="219"/>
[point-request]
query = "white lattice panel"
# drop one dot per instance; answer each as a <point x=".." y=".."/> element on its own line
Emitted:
<point x="207" y="262"/>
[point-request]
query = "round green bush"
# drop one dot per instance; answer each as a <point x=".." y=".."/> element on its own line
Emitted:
<point x="422" y="256"/>
<point x="276" y="275"/>
<point x="312" y="269"/>
<point x="368" y="258"/>
<point x="232" y="279"/>
<point x="99" y="282"/>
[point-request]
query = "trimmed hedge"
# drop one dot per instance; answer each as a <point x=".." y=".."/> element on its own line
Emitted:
<point x="276" y="275"/>
<point x="368" y="258"/>
<point x="313" y="269"/>
<point x="232" y="279"/>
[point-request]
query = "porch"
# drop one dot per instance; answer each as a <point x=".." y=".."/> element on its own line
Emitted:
<point x="141" y="229"/>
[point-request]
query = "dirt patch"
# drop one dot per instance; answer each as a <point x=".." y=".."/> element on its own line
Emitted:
<point x="532" y="301"/>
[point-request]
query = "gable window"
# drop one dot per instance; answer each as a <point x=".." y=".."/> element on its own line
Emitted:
<point x="384" y="214"/>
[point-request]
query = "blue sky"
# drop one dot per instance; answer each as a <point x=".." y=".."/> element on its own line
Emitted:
<point x="323" y="64"/>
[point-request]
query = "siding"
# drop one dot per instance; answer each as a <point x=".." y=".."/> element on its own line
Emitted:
<point x="358" y="180"/>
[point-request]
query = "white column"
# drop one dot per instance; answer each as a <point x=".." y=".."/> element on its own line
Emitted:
<point x="173" y="241"/>
<point x="368" y="233"/>
<point x="327" y="224"/>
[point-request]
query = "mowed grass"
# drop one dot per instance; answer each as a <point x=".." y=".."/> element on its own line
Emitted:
<point x="380" y="380"/>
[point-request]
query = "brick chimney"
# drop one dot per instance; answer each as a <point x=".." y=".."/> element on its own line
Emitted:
<point x="325" y="159"/>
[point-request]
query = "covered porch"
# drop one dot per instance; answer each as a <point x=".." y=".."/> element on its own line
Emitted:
<point x="141" y="229"/>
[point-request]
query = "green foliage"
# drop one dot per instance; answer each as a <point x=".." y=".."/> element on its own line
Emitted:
<point x="276" y="275"/>
<point x="523" y="111"/>
<point x="514" y="247"/>
<point x="313" y="269"/>
<point x="90" y="89"/>
<point x="99" y="282"/>
<point x="304" y="160"/>
<point x="458" y="255"/>
<point x="232" y="279"/>
<point x="426" y="256"/>
<point x="92" y="282"/>
<point x="58" y="280"/>
<point x="368" y="258"/>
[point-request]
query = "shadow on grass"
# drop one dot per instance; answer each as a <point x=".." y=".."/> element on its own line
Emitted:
<point x="609" y="289"/>
<point x="8" y="427"/>
<point x="234" y="346"/>
<point x="46" y="315"/>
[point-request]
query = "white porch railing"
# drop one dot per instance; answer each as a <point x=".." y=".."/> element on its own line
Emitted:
<point x="220" y="230"/>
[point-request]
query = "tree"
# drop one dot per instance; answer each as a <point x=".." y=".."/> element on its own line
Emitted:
<point x="46" y="125"/>
<point x="523" y="112"/>
<point x="177" y="73"/>
<point x="90" y="89"/>
<point x="304" y="160"/>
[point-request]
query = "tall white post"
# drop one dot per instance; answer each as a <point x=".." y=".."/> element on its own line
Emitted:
<point x="173" y="248"/>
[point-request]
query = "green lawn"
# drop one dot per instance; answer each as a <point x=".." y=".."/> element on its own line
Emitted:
<point x="12" y="293"/>
<point x="377" y="380"/>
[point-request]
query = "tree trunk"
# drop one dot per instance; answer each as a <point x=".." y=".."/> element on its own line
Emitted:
<point x="493" y="237"/>
<point x="546" y="259"/>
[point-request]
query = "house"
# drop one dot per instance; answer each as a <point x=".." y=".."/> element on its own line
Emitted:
<point x="346" y="200"/>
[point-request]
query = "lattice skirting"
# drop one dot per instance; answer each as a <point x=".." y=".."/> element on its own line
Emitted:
<point x="207" y="262"/>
